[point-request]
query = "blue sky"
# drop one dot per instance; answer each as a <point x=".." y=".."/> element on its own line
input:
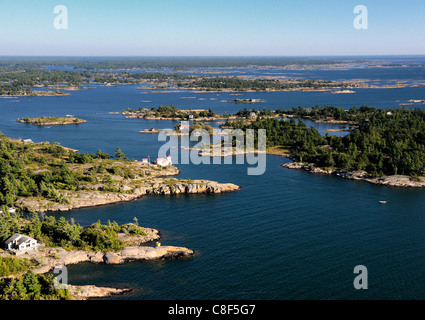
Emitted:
<point x="211" y="28"/>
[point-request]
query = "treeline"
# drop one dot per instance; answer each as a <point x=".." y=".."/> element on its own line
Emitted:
<point x="29" y="78"/>
<point x="291" y="134"/>
<point x="158" y="76"/>
<point x="17" y="81"/>
<point x="329" y="113"/>
<point x="54" y="174"/>
<point x="25" y="285"/>
<point x="171" y="112"/>
<point x="31" y="287"/>
<point x="108" y="63"/>
<point x="234" y="83"/>
<point x="238" y="84"/>
<point x="384" y="142"/>
<point x="64" y="234"/>
<point x="261" y="112"/>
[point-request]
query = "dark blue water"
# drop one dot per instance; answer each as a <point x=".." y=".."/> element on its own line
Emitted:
<point x="286" y="235"/>
<point x="94" y="106"/>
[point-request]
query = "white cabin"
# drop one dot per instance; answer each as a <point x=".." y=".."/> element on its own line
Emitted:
<point x="19" y="242"/>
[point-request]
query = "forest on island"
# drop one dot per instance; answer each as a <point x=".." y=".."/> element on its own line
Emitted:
<point x="383" y="142"/>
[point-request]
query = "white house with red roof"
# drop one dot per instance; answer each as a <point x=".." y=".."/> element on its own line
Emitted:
<point x="164" y="162"/>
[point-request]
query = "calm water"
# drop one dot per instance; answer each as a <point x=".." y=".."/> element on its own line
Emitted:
<point x="285" y="235"/>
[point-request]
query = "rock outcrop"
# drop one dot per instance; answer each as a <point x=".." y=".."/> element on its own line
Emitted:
<point x="360" y="175"/>
<point x="47" y="259"/>
<point x="90" y="292"/>
<point x="146" y="253"/>
<point x="93" y="198"/>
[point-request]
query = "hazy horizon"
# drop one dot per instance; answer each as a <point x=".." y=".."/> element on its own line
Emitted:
<point x="177" y="28"/>
<point x="215" y="56"/>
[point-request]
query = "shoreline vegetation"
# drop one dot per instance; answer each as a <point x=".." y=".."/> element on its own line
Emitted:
<point x="370" y="152"/>
<point x="34" y="93"/>
<point x="65" y="243"/>
<point x="246" y="101"/>
<point x="49" y="177"/>
<point x="51" y="121"/>
<point x="173" y="113"/>
<point x="44" y="177"/>
<point x="383" y="146"/>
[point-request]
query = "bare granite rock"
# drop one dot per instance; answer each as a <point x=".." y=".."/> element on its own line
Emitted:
<point x="360" y="175"/>
<point x="112" y="258"/>
<point x="151" y="235"/>
<point x="89" y="292"/>
<point x="92" y="198"/>
<point x="47" y="258"/>
<point x="146" y="253"/>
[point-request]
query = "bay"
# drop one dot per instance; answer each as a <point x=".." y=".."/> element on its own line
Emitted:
<point x="285" y="235"/>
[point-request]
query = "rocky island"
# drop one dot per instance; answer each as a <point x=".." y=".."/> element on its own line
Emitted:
<point x="246" y="101"/>
<point x="51" y="121"/>
<point x="151" y="130"/>
<point x="172" y="113"/>
<point x="33" y="93"/>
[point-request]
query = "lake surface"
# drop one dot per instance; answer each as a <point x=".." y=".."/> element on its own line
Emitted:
<point x="286" y="235"/>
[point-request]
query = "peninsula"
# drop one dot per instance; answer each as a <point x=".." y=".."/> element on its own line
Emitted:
<point x="383" y="146"/>
<point x="61" y="243"/>
<point x="49" y="177"/>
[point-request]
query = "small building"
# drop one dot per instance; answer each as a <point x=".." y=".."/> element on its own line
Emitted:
<point x="145" y="160"/>
<point x="27" y="140"/>
<point x="184" y="127"/>
<point x="164" y="162"/>
<point x="19" y="242"/>
<point x="252" y="116"/>
<point x="11" y="210"/>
